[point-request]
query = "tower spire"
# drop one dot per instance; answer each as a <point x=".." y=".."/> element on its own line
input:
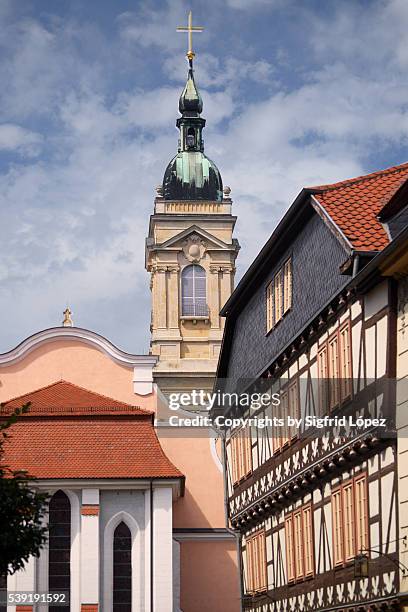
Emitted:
<point x="191" y="175"/>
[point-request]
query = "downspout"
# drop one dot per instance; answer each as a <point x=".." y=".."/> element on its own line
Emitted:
<point x="233" y="532"/>
<point x="151" y="549"/>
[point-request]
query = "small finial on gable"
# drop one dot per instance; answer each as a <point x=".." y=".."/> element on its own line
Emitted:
<point x="67" y="322"/>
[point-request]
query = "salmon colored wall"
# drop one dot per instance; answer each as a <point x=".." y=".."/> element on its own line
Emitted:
<point x="203" y="502"/>
<point x="79" y="363"/>
<point x="209" y="577"/>
<point x="203" y="565"/>
<point x="75" y="362"/>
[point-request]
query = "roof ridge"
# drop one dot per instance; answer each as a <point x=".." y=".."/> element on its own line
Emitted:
<point x="67" y="382"/>
<point x="360" y="179"/>
<point x="88" y="410"/>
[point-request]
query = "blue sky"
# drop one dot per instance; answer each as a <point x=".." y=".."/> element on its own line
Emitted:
<point x="296" y="92"/>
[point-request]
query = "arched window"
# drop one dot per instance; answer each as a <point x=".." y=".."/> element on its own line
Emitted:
<point x="59" y="525"/>
<point x="193" y="292"/>
<point x="122" y="569"/>
<point x="191" y="137"/>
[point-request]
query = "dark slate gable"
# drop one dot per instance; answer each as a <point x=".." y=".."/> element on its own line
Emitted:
<point x="316" y="258"/>
<point x="398" y="223"/>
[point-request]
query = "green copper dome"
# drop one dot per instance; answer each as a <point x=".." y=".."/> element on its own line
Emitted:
<point x="191" y="175"/>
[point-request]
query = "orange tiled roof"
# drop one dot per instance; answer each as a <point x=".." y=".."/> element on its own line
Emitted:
<point x="354" y="204"/>
<point x="91" y="436"/>
<point x="63" y="397"/>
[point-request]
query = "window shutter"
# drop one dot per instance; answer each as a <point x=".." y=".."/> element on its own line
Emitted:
<point x="256" y="574"/>
<point x="322" y="371"/>
<point x="278" y="295"/>
<point x="250" y="565"/>
<point x="289" y="548"/>
<point x="263" y="572"/>
<point x="361" y="502"/>
<point x="269" y="307"/>
<point x="293" y="410"/>
<point x="298" y="543"/>
<point x="233" y="447"/>
<point x="337" y="519"/>
<point x="334" y="370"/>
<point x="308" y="544"/>
<point x="345" y="361"/>
<point x="287" y="285"/>
<point x="273" y="430"/>
<point x="256" y="562"/>
<point x="284" y="407"/>
<point x="348" y="521"/>
<point x="242" y="453"/>
<point x="247" y="450"/>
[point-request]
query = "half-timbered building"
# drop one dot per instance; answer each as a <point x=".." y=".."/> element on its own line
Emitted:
<point x="315" y="320"/>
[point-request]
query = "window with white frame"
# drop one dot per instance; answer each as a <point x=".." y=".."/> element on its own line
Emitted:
<point x="193" y="292"/>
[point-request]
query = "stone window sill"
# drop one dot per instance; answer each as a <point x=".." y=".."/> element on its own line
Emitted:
<point x="206" y="319"/>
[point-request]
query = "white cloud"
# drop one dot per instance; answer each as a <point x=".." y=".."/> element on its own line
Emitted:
<point x="252" y="4"/>
<point x="149" y="110"/>
<point x="77" y="217"/>
<point x="150" y="25"/>
<point x="213" y="71"/>
<point x="42" y="63"/>
<point x="369" y="37"/>
<point x="16" y="138"/>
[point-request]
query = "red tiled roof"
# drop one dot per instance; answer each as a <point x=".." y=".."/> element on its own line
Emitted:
<point x="63" y="397"/>
<point x="91" y="441"/>
<point x="354" y="204"/>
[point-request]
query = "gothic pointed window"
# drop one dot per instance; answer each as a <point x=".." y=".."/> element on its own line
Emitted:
<point x="59" y="525"/>
<point x="193" y="292"/>
<point x="122" y="569"/>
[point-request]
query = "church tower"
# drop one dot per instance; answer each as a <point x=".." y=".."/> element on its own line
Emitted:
<point x="190" y="254"/>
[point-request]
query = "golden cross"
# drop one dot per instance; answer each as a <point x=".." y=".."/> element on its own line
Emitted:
<point x="190" y="29"/>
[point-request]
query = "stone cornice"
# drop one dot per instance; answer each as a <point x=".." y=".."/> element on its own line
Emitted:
<point x="142" y="364"/>
<point x="77" y="334"/>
